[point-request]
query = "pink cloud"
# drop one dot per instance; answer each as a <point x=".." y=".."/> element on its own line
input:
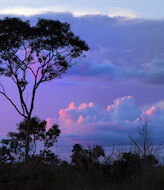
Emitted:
<point x="80" y="119"/>
<point x="88" y="123"/>
<point x="152" y="112"/>
<point x="122" y="109"/>
<point x="50" y="122"/>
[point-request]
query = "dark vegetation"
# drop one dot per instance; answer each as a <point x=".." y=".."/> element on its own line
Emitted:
<point x="88" y="168"/>
<point x="30" y="56"/>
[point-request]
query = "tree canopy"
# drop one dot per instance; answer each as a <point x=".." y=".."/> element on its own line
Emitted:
<point x="44" y="51"/>
<point x="41" y="140"/>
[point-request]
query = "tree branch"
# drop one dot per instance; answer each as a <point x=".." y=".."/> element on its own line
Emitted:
<point x="12" y="104"/>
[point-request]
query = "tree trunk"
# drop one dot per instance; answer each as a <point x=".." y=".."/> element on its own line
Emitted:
<point x="27" y="142"/>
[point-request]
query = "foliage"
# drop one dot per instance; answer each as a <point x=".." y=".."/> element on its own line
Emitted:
<point x="45" y="50"/>
<point x="32" y="55"/>
<point x="39" y="135"/>
<point x="84" y="157"/>
<point x="127" y="172"/>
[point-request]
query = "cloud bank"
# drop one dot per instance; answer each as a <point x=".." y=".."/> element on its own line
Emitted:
<point x="120" y="49"/>
<point x="76" y="11"/>
<point x="88" y="123"/>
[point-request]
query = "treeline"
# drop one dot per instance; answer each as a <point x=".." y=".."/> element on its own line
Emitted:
<point x="88" y="169"/>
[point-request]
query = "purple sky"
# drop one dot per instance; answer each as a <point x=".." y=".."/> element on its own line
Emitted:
<point x="120" y="80"/>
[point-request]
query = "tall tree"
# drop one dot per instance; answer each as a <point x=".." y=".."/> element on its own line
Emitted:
<point x="44" y="51"/>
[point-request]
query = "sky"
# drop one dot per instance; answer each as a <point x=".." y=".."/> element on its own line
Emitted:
<point x="141" y="8"/>
<point x="103" y="98"/>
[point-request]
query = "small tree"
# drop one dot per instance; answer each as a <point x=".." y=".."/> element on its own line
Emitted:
<point x="77" y="154"/>
<point x="143" y="143"/>
<point x="14" y="145"/>
<point x="84" y="157"/>
<point x="32" y="55"/>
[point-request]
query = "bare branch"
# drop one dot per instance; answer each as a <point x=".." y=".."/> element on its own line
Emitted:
<point x="135" y="143"/>
<point x="12" y="103"/>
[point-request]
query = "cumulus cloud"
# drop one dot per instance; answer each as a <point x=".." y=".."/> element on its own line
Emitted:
<point x="98" y="66"/>
<point x="154" y="71"/>
<point x="120" y="49"/>
<point x="120" y="12"/>
<point x="123" y="109"/>
<point x="77" y="12"/>
<point x="88" y="123"/>
<point x="160" y="104"/>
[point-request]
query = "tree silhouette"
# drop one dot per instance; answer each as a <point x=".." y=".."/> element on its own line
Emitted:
<point x="77" y="154"/>
<point x="13" y="147"/>
<point x="32" y="55"/>
<point x="85" y="157"/>
<point x="143" y="144"/>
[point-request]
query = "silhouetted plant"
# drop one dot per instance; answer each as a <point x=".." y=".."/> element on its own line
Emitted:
<point x="85" y="157"/>
<point x="45" y="138"/>
<point x="46" y="171"/>
<point x="95" y="153"/>
<point x="129" y="163"/>
<point x="44" y="51"/>
<point x="77" y="154"/>
<point x="5" y="156"/>
<point x="143" y="145"/>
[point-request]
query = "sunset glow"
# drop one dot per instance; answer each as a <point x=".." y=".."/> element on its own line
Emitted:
<point x="118" y="81"/>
